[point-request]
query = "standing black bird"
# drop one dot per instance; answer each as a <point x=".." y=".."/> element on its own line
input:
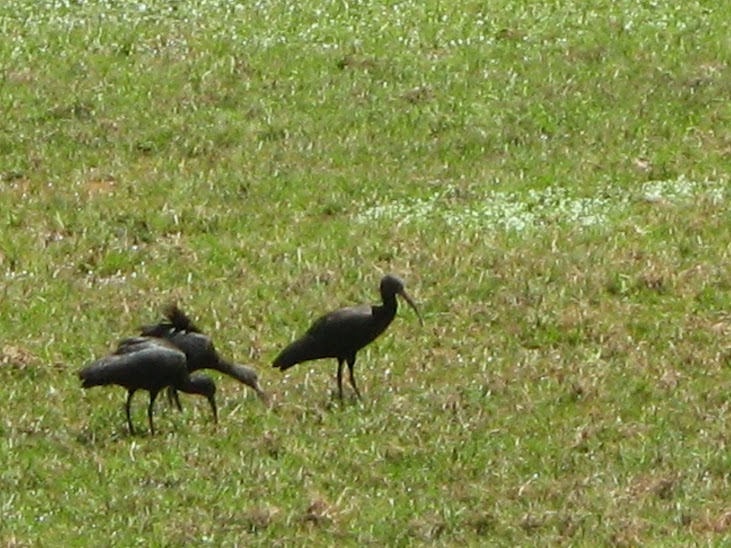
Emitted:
<point x="144" y="363"/>
<point x="340" y="334"/>
<point x="178" y="329"/>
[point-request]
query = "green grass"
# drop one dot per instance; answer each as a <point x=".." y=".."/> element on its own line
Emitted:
<point x="550" y="180"/>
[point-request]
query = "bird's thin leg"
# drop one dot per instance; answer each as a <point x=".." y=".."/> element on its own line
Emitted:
<point x="173" y="398"/>
<point x="153" y="395"/>
<point x="351" y="365"/>
<point x="130" y="393"/>
<point x="340" y="378"/>
<point x="176" y="397"/>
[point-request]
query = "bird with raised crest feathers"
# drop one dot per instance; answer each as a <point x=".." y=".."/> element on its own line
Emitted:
<point x="151" y="364"/>
<point x="178" y="329"/>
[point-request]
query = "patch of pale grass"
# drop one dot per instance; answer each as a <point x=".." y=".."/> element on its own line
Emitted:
<point x="534" y="209"/>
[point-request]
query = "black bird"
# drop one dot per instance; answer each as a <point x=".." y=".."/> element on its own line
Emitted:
<point x="178" y="329"/>
<point x="340" y="334"/>
<point x="144" y="363"/>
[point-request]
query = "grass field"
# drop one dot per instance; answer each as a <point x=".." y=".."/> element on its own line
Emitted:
<point x="550" y="179"/>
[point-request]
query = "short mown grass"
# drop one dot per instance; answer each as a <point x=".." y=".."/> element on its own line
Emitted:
<point x="550" y="180"/>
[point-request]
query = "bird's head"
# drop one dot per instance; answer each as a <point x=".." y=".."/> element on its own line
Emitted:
<point x="204" y="385"/>
<point x="393" y="285"/>
<point x="245" y="375"/>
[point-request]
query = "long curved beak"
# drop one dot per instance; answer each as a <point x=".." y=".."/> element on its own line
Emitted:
<point x="263" y="396"/>
<point x="244" y="375"/>
<point x="412" y="304"/>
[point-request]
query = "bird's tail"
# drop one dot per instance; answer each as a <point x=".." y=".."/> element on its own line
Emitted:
<point x="175" y="320"/>
<point x="179" y="319"/>
<point x="299" y="351"/>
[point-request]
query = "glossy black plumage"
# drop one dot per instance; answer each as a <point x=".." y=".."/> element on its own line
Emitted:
<point x="145" y="363"/>
<point x="340" y="334"/>
<point x="178" y="329"/>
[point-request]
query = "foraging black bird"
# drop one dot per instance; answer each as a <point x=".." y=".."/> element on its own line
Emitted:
<point x="144" y="363"/>
<point x="340" y="334"/>
<point x="178" y="329"/>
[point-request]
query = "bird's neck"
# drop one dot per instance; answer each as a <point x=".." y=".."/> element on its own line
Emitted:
<point x="389" y="302"/>
<point x="387" y="311"/>
<point x="226" y="367"/>
<point x="239" y="372"/>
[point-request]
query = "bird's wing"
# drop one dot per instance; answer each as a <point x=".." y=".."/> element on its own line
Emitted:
<point x="198" y="348"/>
<point x="147" y="365"/>
<point x="136" y="344"/>
<point x="341" y="323"/>
<point x="337" y="334"/>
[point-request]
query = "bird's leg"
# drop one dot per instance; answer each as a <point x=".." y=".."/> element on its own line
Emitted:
<point x="177" y="400"/>
<point x="173" y="398"/>
<point x="212" y="401"/>
<point x="340" y="378"/>
<point x="130" y="393"/>
<point x="351" y="365"/>
<point x="153" y="395"/>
